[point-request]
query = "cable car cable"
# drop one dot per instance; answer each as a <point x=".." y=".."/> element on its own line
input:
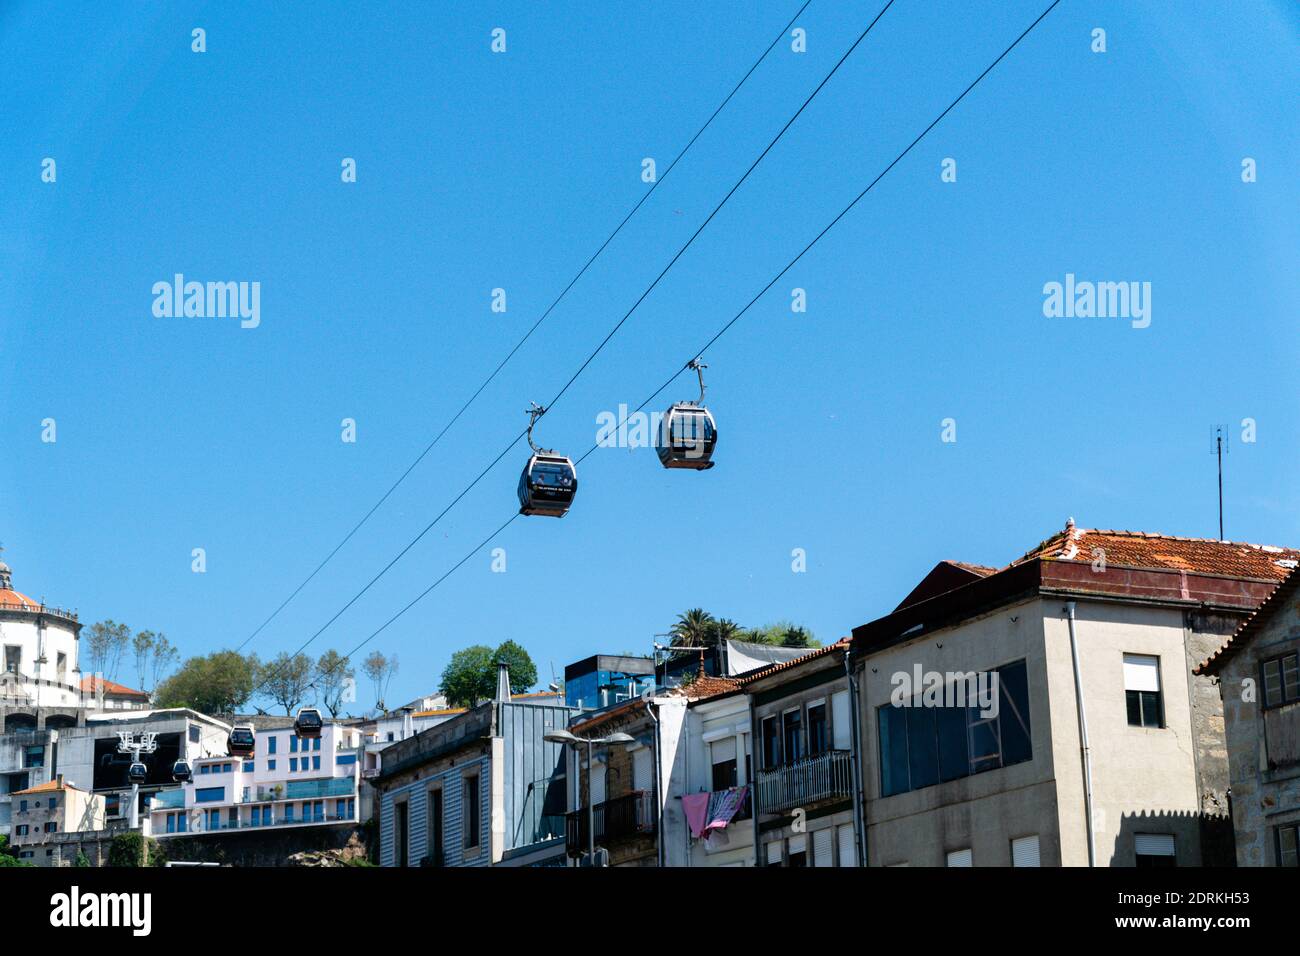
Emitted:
<point x="605" y="341"/>
<point x="736" y="317"/>
<point x="502" y="364"/>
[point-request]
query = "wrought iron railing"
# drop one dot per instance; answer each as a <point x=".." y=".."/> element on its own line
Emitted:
<point x="809" y="780"/>
<point x="629" y="815"/>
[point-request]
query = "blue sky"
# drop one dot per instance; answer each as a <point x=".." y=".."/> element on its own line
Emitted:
<point x="478" y="170"/>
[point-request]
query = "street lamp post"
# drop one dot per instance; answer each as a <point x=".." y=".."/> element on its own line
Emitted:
<point x="572" y="740"/>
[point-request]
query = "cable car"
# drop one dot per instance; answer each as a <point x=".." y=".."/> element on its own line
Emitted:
<point x="137" y="773"/>
<point x="308" y="723"/>
<point x="549" y="480"/>
<point x="688" y="433"/>
<point x="241" y="741"/>
<point x="181" y="772"/>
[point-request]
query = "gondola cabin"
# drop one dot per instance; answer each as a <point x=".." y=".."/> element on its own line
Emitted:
<point x="241" y="741"/>
<point x="687" y="437"/>
<point x="181" y="772"/>
<point x="547" y="485"/>
<point x="308" y="723"/>
<point x="137" y="773"/>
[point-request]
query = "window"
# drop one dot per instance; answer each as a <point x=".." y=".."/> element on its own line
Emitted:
<point x="1154" y="849"/>
<point x="22" y="806"/>
<point x="921" y="746"/>
<point x="248" y="766"/>
<point x="1142" y="690"/>
<point x="194" y="734"/>
<point x="1288" y="845"/>
<point x="51" y="827"/>
<point x="205" y="769"/>
<point x="722" y="756"/>
<point x="823" y="841"/>
<point x="61" y="667"/>
<point x="270" y="765"/>
<point x="34" y="757"/>
<point x="400" y="835"/>
<point x="13" y="658"/>
<point x="471" y="812"/>
<point x="434" y="825"/>
<point x="293" y="745"/>
<point x="210" y="795"/>
<point x="1024" y="851"/>
<point x="791" y="736"/>
<point x="1281" y="680"/>
<point x="818" y="739"/>
<point x="293" y="764"/>
<point x="960" y="858"/>
<point x="315" y="763"/>
<point x="771" y="744"/>
<point x="798" y="855"/>
<point x="315" y="744"/>
<point x="270" y="744"/>
<point x="848" y="850"/>
<point x="20" y="830"/>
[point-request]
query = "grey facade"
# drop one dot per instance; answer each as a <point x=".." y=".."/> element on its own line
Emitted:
<point x="1259" y="679"/>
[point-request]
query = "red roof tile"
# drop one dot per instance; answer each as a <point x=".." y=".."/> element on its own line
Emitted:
<point x="10" y="598"/>
<point x="1141" y="549"/>
<point x="90" y="685"/>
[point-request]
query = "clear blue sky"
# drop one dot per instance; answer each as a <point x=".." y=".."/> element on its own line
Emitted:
<point x="478" y="171"/>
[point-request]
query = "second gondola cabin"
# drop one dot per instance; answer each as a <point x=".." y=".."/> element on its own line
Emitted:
<point x="308" y="723"/>
<point x="687" y="437"/>
<point x="547" y="485"/>
<point x="241" y="741"/>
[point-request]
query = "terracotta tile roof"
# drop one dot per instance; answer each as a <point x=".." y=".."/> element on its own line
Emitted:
<point x="90" y="685"/>
<point x="1140" y="549"/>
<point x="1288" y="590"/>
<point x="50" y="786"/>
<point x="10" y="598"/>
<point x="983" y="570"/>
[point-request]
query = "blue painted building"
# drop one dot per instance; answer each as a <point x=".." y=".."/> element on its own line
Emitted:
<point x="481" y="789"/>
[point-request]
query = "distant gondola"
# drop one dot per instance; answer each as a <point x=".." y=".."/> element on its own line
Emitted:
<point x="181" y="772"/>
<point x="241" y="741"/>
<point x="308" y="723"/>
<point x="549" y="480"/>
<point x="137" y="773"/>
<point x="688" y="433"/>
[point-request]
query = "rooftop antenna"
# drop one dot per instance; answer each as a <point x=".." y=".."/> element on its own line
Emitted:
<point x="1220" y="447"/>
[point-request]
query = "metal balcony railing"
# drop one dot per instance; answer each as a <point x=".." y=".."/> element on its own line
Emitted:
<point x="630" y="815"/>
<point x="809" y="780"/>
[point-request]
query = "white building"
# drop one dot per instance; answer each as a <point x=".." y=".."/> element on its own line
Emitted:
<point x="38" y="651"/>
<point x="289" y="781"/>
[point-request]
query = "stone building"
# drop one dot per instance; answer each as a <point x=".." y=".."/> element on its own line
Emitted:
<point x="1258" y="670"/>
<point x="47" y="810"/>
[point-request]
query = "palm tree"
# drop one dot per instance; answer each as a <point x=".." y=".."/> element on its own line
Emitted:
<point x="727" y="630"/>
<point x="696" y="628"/>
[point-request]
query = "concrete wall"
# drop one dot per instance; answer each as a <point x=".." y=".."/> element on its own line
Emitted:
<point x="413" y="787"/>
<point x="1265" y="784"/>
<point x="1135" y="770"/>
<point x="984" y="812"/>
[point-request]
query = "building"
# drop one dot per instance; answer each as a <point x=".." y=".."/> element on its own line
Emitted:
<point x="605" y="679"/>
<point x="288" y="781"/>
<point x="1046" y="713"/>
<point x="719" y="773"/>
<point x="43" y="812"/>
<point x="802" y="719"/>
<point x="38" y="655"/>
<point x="483" y="788"/>
<point x="1259" y="679"/>
<point x="99" y="693"/>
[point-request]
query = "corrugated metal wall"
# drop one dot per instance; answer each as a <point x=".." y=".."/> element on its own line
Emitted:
<point x="531" y="765"/>
<point x="453" y="791"/>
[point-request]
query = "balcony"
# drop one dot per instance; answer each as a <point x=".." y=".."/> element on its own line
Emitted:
<point x="630" y="815"/>
<point x="807" y="781"/>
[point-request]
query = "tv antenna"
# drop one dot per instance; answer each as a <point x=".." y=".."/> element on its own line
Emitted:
<point x="1221" y="447"/>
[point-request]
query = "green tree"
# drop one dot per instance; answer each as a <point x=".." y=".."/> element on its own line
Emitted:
<point x="219" y="683"/>
<point x="126" y="849"/>
<point x="696" y="628"/>
<point x="8" y="855"/>
<point x="470" y="676"/>
<point x="82" y="861"/>
<point x="286" y="679"/>
<point x="523" y="672"/>
<point x="782" y="634"/>
<point x="335" y="680"/>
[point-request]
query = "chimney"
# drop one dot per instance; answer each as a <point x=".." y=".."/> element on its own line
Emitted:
<point x="408" y="723"/>
<point x="503" y="683"/>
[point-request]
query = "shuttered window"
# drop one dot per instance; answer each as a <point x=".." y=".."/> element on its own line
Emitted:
<point x="959" y="858"/>
<point x="841" y="730"/>
<point x="848" y="854"/>
<point x="1142" y="690"/>
<point x="642" y="769"/>
<point x="1024" y="851"/>
<point x="1154" y="849"/>
<point x="824" y="847"/>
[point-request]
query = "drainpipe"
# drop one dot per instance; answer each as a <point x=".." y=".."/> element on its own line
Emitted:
<point x="1083" y="737"/>
<point x="755" y="755"/>
<point x="855" y="758"/>
<point x="659" y="810"/>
